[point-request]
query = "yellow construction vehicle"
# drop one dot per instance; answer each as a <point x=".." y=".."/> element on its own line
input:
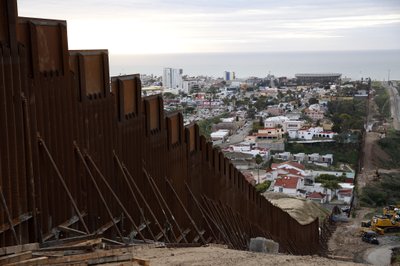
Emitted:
<point x="391" y="210"/>
<point x="384" y="224"/>
<point x="388" y="222"/>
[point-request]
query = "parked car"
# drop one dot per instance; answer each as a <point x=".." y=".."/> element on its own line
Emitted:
<point x="370" y="237"/>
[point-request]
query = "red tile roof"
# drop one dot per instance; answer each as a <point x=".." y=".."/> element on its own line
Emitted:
<point x="349" y="180"/>
<point x="297" y="165"/>
<point x="287" y="182"/>
<point x="294" y="164"/>
<point x="293" y="172"/>
<point x="316" y="195"/>
<point x="345" y="192"/>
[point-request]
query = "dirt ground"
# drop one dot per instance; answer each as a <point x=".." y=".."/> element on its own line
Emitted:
<point x="346" y="241"/>
<point x="219" y="256"/>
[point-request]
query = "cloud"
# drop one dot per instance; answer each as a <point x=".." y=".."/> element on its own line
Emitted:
<point x="148" y="26"/>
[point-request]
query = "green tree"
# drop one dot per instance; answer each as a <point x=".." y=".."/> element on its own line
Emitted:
<point x="169" y="95"/>
<point x="331" y="184"/>
<point x="251" y="113"/>
<point x="263" y="186"/>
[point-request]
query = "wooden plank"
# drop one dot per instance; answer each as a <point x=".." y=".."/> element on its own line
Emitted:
<point x="66" y="241"/>
<point x="15" y="257"/>
<point x="196" y="239"/>
<point x="134" y="233"/>
<point x="30" y="262"/>
<point x="91" y="242"/>
<point x="85" y="245"/>
<point x="126" y="263"/>
<point x="71" y="230"/>
<point x="112" y="242"/>
<point x="87" y="256"/>
<point x="107" y="226"/>
<point x="67" y="223"/>
<point x="102" y="260"/>
<point x="22" y="218"/>
<point x="18" y="249"/>
<point x="184" y="234"/>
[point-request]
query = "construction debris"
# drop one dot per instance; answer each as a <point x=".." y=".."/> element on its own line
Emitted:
<point x="85" y="252"/>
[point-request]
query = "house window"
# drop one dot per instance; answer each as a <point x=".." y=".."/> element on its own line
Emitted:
<point x="281" y="189"/>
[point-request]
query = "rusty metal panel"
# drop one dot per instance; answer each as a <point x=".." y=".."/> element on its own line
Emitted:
<point x="3" y="21"/>
<point x="94" y="76"/>
<point x="49" y="48"/>
<point x="76" y="109"/>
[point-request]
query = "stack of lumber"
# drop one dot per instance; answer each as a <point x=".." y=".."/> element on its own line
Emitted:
<point x="79" y="252"/>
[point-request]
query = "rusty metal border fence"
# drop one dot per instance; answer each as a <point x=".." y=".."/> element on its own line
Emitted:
<point x="83" y="156"/>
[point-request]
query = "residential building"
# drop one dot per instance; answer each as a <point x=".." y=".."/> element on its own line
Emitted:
<point x="270" y="133"/>
<point x="275" y="110"/>
<point x="345" y="195"/>
<point x="317" y="197"/>
<point x="275" y="121"/>
<point x="220" y="135"/>
<point x="315" y="112"/>
<point x="311" y="133"/>
<point x="288" y="185"/>
<point x="290" y="125"/>
<point x="228" y="75"/>
<point x="172" y="79"/>
<point x="316" y="158"/>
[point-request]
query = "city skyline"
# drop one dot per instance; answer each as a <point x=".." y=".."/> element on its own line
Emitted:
<point x="201" y="26"/>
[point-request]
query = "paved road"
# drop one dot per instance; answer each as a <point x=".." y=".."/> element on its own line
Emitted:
<point x="381" y="255"/>
<point x="238" y="136"/>
<point x="394" y="105"/>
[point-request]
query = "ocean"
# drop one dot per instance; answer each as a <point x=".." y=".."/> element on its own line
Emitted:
<point x="352" y="64"/>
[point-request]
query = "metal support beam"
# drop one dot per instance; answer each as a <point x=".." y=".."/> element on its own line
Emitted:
<point x="215" y="221"/>
<point x="125" y="169"/>
<point x="29" y="162"/>
<point x="135" y="199"/>
<point x="53" y="163"/>
<point x="159" y="195"/>
<point x="201" y="210"/>
<point x="4" y="204"/>
<point x="186" y="211"/>
<point x="67" y="223"/>
<point x="98" y="190"/>
<point x="115" y="196"/>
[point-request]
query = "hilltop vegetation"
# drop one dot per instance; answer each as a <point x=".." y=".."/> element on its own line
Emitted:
<point x="382" y="100"/>
<point x="347" y="114"/>
<point x="391" y="145"/>
<point x="382" y="192"/>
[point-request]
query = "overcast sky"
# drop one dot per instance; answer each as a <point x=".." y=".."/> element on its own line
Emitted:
<point x="177" y="26"/>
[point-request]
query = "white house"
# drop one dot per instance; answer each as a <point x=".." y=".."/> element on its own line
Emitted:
<point x="288" y="185"/>
<point x="220" y="135"/>
<point x="317" y="197"/>
<point x="345" y="195"/>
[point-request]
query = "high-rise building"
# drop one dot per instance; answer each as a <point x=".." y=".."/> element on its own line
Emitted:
<point x="172" y="79"/>
<point x="228" y="75"/>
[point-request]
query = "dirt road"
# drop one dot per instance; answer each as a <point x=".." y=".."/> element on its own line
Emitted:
<point x="346" y="240"/>
<point x="218" y="256"/>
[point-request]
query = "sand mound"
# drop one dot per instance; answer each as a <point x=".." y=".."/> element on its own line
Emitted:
<point x="303" y="210"/>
